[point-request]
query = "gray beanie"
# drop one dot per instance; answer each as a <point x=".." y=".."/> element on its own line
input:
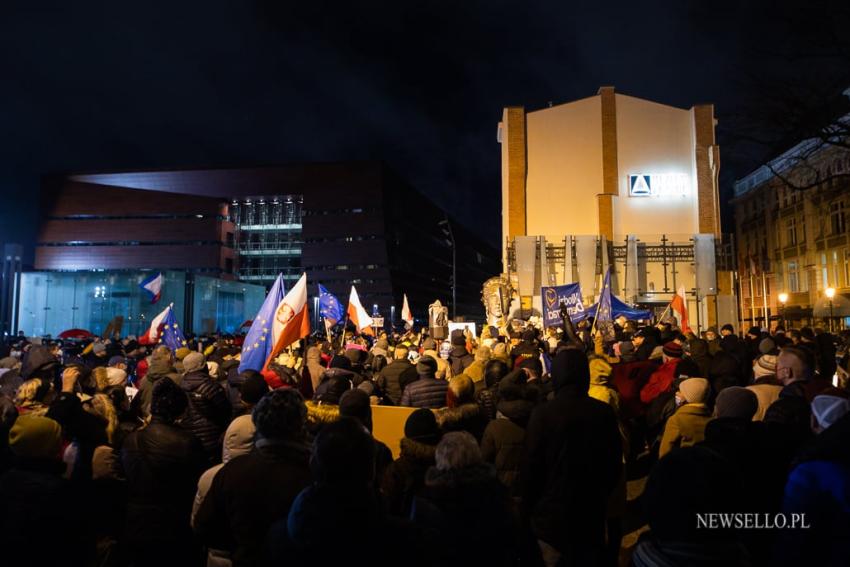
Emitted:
<point x="193" y="361"/>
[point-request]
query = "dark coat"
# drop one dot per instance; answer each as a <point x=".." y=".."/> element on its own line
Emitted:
<point x="572" y="463"/>
<point x="465" y="417"/>
<point x="337" y="525"/>
<point x="43" y="518"/>
<point x="248" y="494"/>
<point x="504" y="439"/>
<point x="162" y="464"/>
<point x="819" y="487"/>
<point x="427" y="392"/>
<point x="395" y="377"/>
<point x="209" y="411"/>
<point x="471" y="511"/>
<point x="459" y="360"/>
<point x="159" y="368"/>
<point x="405" y="477"/>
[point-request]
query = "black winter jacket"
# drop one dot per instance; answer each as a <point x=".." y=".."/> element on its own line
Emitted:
<point x="427" y="392"/>
<point x="395" y="377"/>
<point x="248" y="494"/>
<point x="572" y="462"/>
<point x="503" y="441"/>
<point x="209" y="411"/>
<point x="162" y="464"/>
<point x="459" y="360"/>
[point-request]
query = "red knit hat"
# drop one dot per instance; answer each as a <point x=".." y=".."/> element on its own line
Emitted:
<point x="672" y="349"/>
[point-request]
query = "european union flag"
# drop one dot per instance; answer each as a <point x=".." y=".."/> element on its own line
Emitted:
<point x="172" y="336"/>
<point x="604" y="320"/>
<point x="258" y="341"/>
<point x="329" y="306"/>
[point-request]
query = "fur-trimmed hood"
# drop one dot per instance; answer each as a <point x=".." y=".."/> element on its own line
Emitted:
<point x="450" y="418"/>
<point x="518" y="411"/>
<point x="453" y="478"/>
<point x="416" y="450"/>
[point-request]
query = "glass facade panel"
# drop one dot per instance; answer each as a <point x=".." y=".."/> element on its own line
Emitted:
<point x="221" y="305"/>
<point x="52" y="302"/>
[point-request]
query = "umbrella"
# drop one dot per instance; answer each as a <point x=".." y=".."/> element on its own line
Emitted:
<point x="75" y="334"/>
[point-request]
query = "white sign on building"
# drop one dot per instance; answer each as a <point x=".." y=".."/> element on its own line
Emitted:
<point x="658" y="185"/>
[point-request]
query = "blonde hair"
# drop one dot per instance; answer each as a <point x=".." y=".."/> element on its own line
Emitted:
<point x="101" y="406"/>
<point x="27" y="391"/>
<point x="101" y="379"/>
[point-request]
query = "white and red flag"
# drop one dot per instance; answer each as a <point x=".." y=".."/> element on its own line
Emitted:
<point x="357" y="315"/>
<point x="679" y="305"/>
<point x="406" y="315"/>
<point x="291" y="319"/>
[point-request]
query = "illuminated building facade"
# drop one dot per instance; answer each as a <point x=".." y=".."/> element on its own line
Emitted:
<point x="614" y="180"/>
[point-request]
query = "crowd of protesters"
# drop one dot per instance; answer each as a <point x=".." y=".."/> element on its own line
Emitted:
<point x="114" y="453"/>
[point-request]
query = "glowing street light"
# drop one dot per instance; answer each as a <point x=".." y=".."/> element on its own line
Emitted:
<point x="830" y="294"/>
<point x="783" y="299"/>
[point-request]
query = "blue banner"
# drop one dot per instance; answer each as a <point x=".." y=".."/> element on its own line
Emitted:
<point x="552" y="297"/>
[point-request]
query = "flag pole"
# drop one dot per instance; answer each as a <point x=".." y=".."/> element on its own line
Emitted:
<point x="663" y="313"/>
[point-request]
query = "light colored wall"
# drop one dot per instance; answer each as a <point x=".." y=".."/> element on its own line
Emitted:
<point x="654" y="138"/>
<point x="564" y="168"/>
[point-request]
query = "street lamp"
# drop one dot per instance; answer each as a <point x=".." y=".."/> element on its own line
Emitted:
<point x="830" y="294"/>
<point x="783" y="299"/>
<point x="446" y="227"/>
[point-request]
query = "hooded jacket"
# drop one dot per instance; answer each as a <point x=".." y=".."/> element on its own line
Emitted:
<point x="158" y="368"/>
<point x="465" y="417"/>
<point x="459" y="359"/>
<point x="404" y="478"/>
<point x="503" y="441"/>
<point x="572" y="459"/>
<point x="685" y="428"/>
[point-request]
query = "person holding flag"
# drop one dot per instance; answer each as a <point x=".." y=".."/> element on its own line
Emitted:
<point x="291" y="321"/>
<point x="357" y="315"/>
<point x="254" y="357"/>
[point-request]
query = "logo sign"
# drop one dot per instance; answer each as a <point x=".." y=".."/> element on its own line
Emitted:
<point x="658" y="185"/>
<point x="569" y="294"/>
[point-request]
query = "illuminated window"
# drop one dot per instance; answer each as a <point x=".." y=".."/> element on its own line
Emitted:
<point x="791" y="232"/>
<point x="837" y="219"/>
<point x="793" y="277"/>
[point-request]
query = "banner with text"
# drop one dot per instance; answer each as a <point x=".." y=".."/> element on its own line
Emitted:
<point x="553" y="296"/>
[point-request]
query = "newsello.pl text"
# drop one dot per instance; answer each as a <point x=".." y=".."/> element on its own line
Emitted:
<point x="751" y="521"/>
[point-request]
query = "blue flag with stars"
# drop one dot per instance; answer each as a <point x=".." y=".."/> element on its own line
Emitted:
<point x="604" y="320"/>
<point x="258" y="342"/>
<point x="329" y="306"/>
<point x="172" y="336"/>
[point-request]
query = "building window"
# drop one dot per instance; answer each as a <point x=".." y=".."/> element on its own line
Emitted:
<point x="846" y="268"/>
<point x="791" y="232"/>
<point x="824" y="272"/>
<point x="836" y="217"/>
<point x="793" y="277"/>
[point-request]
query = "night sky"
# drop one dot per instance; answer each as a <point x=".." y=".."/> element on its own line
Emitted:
<point x="102" y="85"/>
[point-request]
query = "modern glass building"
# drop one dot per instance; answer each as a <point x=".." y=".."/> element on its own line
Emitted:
<point x="52" y="302"/>
<point x="268" y="237"/>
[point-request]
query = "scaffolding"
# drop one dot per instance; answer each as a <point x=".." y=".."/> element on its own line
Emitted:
<point x="268" y="238"/>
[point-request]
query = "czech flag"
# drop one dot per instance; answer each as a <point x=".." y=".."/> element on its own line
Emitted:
<point x="153" y="285"/>
<point x="291" y="321"/>
<point x="358" y="315"/>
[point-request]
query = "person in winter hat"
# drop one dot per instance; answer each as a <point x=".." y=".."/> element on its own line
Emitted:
<point x="251" y="492"/>
<point x="397" y="375"/>
<point x="462" y="495"/>
<point x="427" y="391"/>
<point x="158" y="513"/>
<point x="765" y="385"/>
<point x="209" y="408"/>
<point x="661" y="380"/>
<point x="356" y="404"/>
<point x="404" y="478"/>
<point x="430" y="348"/>
<point x="459" y="358"/>
<point x="819" y="488"/>
<point x="686" y="427"/>
<point x="566" y="503"/>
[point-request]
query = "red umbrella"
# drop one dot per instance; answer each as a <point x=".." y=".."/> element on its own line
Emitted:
<point x="75" y="334"/>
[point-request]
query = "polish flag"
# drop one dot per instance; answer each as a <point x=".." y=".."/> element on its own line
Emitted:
<point x="358" y="315"/>
<point x="152" y="336"/>
<point x="291" y="319"/>
<point x="406" y="315"/>
<point x="680" y="306"/>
